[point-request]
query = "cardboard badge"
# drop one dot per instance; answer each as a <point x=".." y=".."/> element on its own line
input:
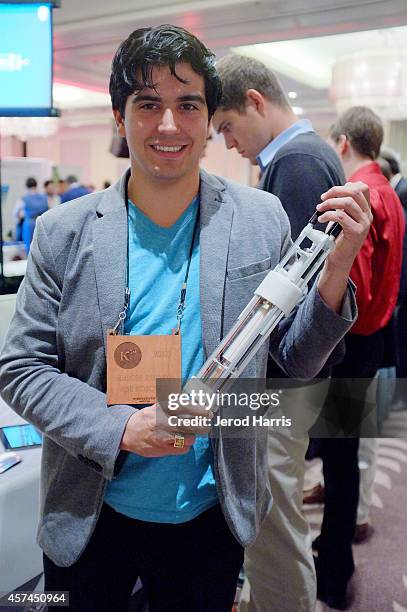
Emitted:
<point x="134" y="363"/>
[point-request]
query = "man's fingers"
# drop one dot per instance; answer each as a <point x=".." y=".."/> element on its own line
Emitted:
<point x="198" y="430"/>
<point x="180" y="443"/>
<point x="181" y="440"/>
<point x="345" y="221"/>
<point x="348" y="206"/>
<point x="165" y="441"/>
<point x="345" y="203"/>
<point x="149" y="434"/>
<point x="358" y="191"/>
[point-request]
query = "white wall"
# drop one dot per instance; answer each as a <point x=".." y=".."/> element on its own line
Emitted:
<point x="218" y="160"/>
<point x="84" y="150"/>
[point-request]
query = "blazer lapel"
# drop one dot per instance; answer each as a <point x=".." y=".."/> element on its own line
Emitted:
<point x="216" y="221"/>
<point x="110" y="253"/>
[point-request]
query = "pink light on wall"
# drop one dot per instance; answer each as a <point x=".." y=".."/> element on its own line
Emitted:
<point x="80" y="85"/>
<point x="76" y="153"/>
<point x="191" y="21"/>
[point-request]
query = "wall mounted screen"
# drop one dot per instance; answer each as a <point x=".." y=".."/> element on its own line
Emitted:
<point x="25" y="59"/>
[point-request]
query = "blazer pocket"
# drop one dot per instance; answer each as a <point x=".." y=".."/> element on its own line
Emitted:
<point x="249" y="270"/>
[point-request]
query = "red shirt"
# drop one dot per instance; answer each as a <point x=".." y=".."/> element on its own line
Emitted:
<point x="377" y="268"/>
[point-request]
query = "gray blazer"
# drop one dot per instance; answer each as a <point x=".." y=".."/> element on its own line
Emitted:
<point x="52" y="367"/>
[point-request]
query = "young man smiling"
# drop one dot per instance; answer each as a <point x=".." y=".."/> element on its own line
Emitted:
<point x="123" y="494"/>
<point x="169" y="153"/>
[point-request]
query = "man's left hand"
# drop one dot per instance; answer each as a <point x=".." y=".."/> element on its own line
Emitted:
<point x="350" y="207"/>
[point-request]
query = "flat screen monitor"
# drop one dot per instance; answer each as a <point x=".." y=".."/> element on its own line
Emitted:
<point x="26" y="59"/>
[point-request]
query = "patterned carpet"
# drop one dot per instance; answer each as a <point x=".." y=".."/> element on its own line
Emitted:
<point x="380" y="580"/>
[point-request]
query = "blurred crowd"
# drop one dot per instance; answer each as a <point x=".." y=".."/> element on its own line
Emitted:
<point x="35" y="202"/>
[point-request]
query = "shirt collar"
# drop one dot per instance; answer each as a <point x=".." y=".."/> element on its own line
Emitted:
<point x="267" y="154"/>
<point x="395" y="180"/>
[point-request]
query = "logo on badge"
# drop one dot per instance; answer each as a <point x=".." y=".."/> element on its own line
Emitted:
<point x="127" y="355"/>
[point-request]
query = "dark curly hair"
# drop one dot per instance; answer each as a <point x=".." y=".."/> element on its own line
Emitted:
<point x="31" y="183"/>
<point x="164" y="45"/>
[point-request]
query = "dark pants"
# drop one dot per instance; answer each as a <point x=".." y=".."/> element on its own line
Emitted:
<point x="344" y="407"/>
<point x="190" y="567"/>
<point x="402" y="341"/>
<point x="335" y="563"/>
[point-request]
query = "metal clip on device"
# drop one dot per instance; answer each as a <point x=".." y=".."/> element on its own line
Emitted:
<point x="274" y="299"/>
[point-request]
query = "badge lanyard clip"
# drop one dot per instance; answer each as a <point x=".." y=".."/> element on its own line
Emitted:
<point x="181" y="308"/>
<point x="123" y="313"/>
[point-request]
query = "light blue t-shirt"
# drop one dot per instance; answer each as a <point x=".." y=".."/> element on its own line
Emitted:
<point x="172" y="489"/>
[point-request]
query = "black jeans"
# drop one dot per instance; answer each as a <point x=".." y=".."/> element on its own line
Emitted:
<point x="190" y="567"/>
<point x="335" y="563"/>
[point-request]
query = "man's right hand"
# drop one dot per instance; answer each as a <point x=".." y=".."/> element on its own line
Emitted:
<point x="149" y="434"/>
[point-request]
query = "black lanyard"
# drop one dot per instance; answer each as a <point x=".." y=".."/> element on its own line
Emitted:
<point x="181" y="305"/>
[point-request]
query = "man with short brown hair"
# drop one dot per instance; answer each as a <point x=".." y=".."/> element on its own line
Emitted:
<point x="297" y="165"/>
<point x="357" y="137"/>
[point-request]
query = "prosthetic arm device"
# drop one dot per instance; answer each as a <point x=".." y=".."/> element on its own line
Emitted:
<point x="274" y="299"/>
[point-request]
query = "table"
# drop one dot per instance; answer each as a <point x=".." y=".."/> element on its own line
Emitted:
<point x="20" y="555"/>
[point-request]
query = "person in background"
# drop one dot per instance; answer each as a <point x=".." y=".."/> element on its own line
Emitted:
<point x="256" y="118"/>
<point x="106" y="184"/>
<point x="397" y="180"/>
<point x="384" y="167"/>
<point x="62" y="186"/>
<point x="356" y="137"/>
<point x="18" y="215"/>
<point x="51" y="191"/>
<point x="399" y="184"/>
<point x="297" y="165"/>
<point x="75" y="189"/>
<point x="27" y="210"/>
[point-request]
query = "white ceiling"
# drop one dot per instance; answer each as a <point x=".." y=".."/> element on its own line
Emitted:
<point x="87" y="34"/>
<point x="310" y="60"/>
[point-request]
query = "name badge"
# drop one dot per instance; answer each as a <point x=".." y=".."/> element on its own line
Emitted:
<point x="134" y="363"/>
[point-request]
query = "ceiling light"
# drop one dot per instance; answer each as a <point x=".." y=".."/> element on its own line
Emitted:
<point x="380" y="89"/>
<point x="292" y="95"/>
<point x="298" y="110"/>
